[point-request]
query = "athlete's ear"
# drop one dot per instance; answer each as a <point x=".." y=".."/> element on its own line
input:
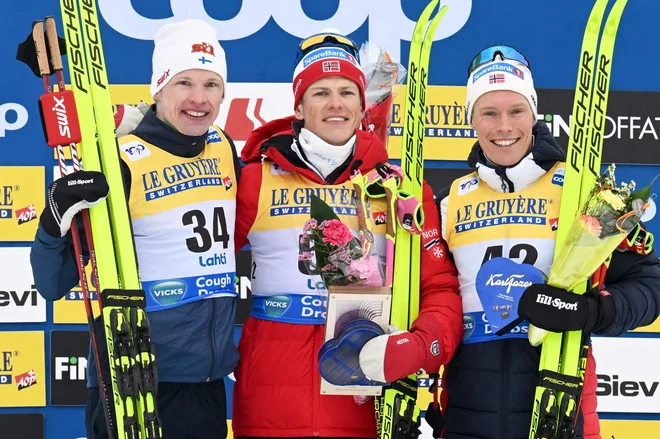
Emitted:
<point x="299" y="110"/>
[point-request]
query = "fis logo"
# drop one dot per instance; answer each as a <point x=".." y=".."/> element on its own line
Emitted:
<point x="468" y="185"/>
<point x="556" y="303"/>
<point x="70" y="368"/>
<point x="135" y="150"/>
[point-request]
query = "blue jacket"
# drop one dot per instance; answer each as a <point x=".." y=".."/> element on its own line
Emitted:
<point x="193" y="342"/>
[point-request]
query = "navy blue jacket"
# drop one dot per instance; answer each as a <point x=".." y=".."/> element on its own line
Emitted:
<point x="490" y="386"/>
<point x="193" y="342"/>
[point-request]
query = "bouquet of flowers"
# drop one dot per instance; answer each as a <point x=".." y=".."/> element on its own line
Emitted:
<point x="338" y="255"/>
<point x="609" y="214"/>
<point x="382" y="75"/>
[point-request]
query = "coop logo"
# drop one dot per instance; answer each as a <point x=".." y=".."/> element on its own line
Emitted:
<point x="213" y="137"/>
<point x="558" y="177"/>
<point x="387" y="23"/>
<point x="168" y="292"/>
<point x="70" y="368"/>
<point x="618" y="127"/>
<point x="13" y="117"/>
<point x="135" y="150"/>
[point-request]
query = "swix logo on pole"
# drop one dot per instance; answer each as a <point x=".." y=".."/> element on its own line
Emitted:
<point x="60" y="118"/>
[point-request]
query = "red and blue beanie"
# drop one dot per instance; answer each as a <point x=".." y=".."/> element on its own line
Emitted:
<point x="326" y="61"/>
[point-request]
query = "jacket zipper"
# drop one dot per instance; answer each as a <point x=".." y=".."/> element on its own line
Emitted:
<point x="504" y="406"/>
<point x="211" y="340"/>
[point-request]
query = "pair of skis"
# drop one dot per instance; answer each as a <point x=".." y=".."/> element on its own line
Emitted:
<point x="397" y="413"/>
<point x="564" y="355"/>
<point x="85" y="116"/>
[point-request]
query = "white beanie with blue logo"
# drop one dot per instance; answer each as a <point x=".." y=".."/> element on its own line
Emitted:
<point x="188" y="44"/>
<point x="500" y="74"/>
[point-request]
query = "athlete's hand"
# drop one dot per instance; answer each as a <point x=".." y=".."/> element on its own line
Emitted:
<point x="395" y="355"/>
<point x="557" y="310"/>
<point x="127" y="117"/>
<point x="69" y="195"/>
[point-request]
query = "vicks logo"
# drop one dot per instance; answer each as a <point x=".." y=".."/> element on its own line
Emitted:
<point x="275" y="306"/>
<point x="168" y="292"/>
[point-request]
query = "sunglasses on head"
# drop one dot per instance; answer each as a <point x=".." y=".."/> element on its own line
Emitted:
<point x="487" y="55"/>
<point x="327" y="39"/>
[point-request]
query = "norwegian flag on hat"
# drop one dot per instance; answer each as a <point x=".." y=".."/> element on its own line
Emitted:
<point x="496" y="78"/>
<point x="331" y="66"/>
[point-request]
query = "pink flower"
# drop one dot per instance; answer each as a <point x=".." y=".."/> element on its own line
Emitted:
<point x="336" y="233"/>
<point x="305" y="256"/>
<point x="310" y="224"/>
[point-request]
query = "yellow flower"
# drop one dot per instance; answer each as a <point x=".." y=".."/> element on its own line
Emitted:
<point x="613" y="200"/>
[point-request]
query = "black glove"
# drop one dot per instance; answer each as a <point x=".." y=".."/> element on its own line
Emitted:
<point x="69" y="195"/>
<point x="557" y="310"/>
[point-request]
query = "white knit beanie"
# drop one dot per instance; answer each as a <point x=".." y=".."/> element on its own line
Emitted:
<point x="188" y="44"/>
<point x="500" y="75"/>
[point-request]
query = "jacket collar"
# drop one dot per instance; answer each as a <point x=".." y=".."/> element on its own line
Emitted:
<point x="274" y="140"/>
<point x="155" y="131"/>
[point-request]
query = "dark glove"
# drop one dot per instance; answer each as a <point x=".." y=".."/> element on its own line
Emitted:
<point x="69" y="195"/>
<point x="557" y="310"/>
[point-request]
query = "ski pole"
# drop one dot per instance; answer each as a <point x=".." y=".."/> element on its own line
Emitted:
<point x="63" y="102"/>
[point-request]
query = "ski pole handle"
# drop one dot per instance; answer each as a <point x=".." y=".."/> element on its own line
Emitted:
<point x="40" y="46"/>
<point x="53" y="44"/>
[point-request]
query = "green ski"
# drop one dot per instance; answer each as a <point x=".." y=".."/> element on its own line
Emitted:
<point x="131" y="356"/>
<point x="397" y="411"/>
<point x="564" y="356"/>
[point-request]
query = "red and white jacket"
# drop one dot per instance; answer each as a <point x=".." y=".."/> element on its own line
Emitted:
<point x="277" y="390"/>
